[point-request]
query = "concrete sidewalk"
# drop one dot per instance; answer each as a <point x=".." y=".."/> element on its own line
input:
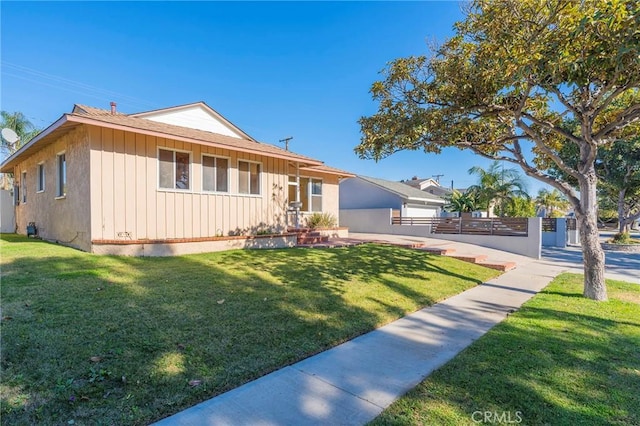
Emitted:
<point x="353" y="383"/>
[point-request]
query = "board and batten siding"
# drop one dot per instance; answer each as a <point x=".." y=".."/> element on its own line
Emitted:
<point x="126" y="202"/>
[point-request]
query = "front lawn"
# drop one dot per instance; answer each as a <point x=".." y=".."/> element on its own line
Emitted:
<point x="560" y="360"/>
<point x="92" y="339"/>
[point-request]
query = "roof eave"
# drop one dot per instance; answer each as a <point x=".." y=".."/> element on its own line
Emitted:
<point x="430" y="200"/>
<point x="340" y="173"/>
<point x="8" y="164"/>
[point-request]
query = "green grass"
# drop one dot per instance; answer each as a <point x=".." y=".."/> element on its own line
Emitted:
<point x="560" y="360"/>
<point x="155" y="324"/>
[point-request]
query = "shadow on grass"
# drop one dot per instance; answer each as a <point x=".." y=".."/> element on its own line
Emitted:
<point x="566" y="362"/>
<point x="118" y="339"/>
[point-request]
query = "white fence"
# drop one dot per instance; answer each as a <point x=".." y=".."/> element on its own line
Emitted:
<point x="7" y="212"/>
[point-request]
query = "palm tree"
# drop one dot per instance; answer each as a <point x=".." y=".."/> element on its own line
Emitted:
<point x="551" y="202"/>
<point x="461" y="202"/>
<point x="497" y="187"/>
<point x="25" y="130"/>
<point x="20" y="124"/>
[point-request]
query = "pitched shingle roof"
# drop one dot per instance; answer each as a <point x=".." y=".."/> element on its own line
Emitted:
<point x="403" y="190"/>
<point x="202" y="136"/>
<point x="82" y="114"/>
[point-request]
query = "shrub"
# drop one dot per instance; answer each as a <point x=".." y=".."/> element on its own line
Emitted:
<point x="622" y="238"/>
<point x="321" y="220"/>
<point x="265" y="231"/>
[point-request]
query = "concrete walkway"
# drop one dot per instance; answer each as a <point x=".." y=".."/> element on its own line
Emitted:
<point x="353" y="383"/>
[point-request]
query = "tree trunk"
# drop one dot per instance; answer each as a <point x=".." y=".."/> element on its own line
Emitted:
<point x="594" y="283"/>
<point x="622" y="217"/>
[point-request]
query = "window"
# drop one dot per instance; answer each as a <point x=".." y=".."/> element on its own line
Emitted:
<point x="249" y="178"/>
<point x="316" y="195"/>
<point x="310" y="193"/>
<point x="174" y="168"/>
<point x="23" y="184"/>
<point x="215" y="174"/>
<point x="40" y="181"/>
<point x="61" y="162"/>
<point x="293" y="188"/>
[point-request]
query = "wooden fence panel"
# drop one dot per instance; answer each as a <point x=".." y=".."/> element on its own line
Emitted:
<point x="470" y="226"/>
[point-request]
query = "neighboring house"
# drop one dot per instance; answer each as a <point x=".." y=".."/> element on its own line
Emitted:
<point x="183" y="174"/>
<point x="363" y="192"/>
<point x="428" y="185"/>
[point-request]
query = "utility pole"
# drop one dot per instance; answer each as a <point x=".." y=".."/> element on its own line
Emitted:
<point x="437" y="178"/>
<point x="286" y="142"/>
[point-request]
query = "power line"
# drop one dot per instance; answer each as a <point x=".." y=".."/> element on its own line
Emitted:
<point x="62" y="83"/>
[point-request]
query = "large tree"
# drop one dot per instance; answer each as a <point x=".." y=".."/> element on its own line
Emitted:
<point x="502" y="87"/>
<point x="619" y="171"/>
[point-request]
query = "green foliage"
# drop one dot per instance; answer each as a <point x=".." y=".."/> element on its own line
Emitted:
<point x="265" y="231"/>
<point x="520" y="207"/>
<point x="606" y="213"/>
<point x="321" y="220"/>
<point x="20" y="124"/>
<point x="556" y="214"/>
<point x="553" y="202"/>
<point x="499" y="80"/>
<point x="116" y="340"/>
<point x="497" y="187"/>
<point x="617" y="167"/>
<point x="622" y="238"/>
<point x="504" y="86"/>
<point x="559" y="360"/>
<point x="461" y="202"/>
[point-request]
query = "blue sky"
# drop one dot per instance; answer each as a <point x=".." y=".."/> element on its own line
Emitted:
<point x="300" y="69"/>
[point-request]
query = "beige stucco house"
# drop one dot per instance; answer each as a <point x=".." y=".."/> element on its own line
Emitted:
<point x="175" y="180"/>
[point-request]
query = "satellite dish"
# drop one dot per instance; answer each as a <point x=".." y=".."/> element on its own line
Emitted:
<point x="9" y="135"/>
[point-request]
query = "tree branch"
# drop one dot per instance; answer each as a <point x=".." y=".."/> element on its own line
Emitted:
<point x="628" y="116"/>
<point x="552" y="127"/>
<point x="562" y="99"/>
<point x="530" y="170"/>
<point x="544" y="148"/>
<point x="610" y="98"/>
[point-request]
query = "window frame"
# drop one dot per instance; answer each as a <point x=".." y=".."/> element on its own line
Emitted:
<point x="61" y="174"/>
<point x="23" y="187"/>
<point x="215" y="168"/>
<point x="312" y="195"/>
<point x="250" y="193"/>
<point x="174" y="171"/>
<point x="40" y="178"/>
<point x="307" y="183"/>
